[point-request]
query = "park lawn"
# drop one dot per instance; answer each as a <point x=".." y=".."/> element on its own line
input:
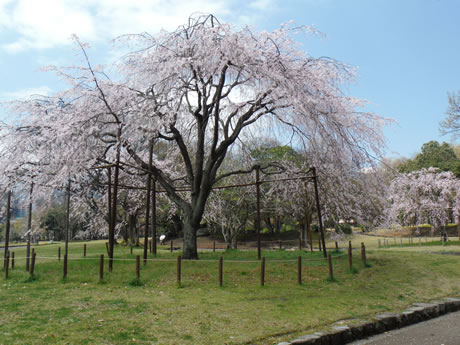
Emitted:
<point x="121" y="310"/>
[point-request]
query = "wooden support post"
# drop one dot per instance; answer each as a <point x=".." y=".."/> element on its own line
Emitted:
<point x="336" y="246"/>
<point x="308" y="218"/>
<point x="65" y="265"/>
<point x="59" y="253"/>
<point x="172" y="246"/>
<point x="319" y="244"/>
<point x="32" y="264"/>
<point x="363" y="253"/>
<point x="350" y="256"/>
<point x="221" y="271"/>
<point x="262" y="271"/>
<point x="7" y="229"/>
<point x="318" y="209"/>
<point x="154" y="217"/>
<point x="108" y="249"/>
<point x="147" y="203"/>
<point x="138" y="265"/>
<point x="299" y="270"/>
<point x="131" y="250"/>
<point x="29" y="228"/>
<point x="259" y="251"/>
<point x="84" y="250"/>
<point x="101" y="267"/>
<point x="179" y="270"/>
<point x="67" y="221"/>
<point x="331" y="272"/>
<point x="214" y="246"/>
<point x="114" y="203"/>
<point x="7" y="264"/>
<point x="12" y="260"/>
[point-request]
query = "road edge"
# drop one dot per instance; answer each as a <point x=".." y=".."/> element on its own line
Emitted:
<point x="343" y="334"/>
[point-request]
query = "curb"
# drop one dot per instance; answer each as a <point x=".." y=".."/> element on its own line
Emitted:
<point x="339" y="335"/>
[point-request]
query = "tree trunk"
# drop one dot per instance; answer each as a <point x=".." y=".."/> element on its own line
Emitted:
<point x="270" y="226"/>
<point x="132" y="234"/>
<point x="278" y="224"/>
<point x="190" y="244"/>
<point x="234" y="240"/>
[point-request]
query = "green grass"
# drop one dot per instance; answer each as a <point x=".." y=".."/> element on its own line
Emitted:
<point x="154" y="310"/>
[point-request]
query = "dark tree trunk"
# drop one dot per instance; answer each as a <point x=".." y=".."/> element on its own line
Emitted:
<point x="190" y="244"/>
<point x="268" y="223"/>
<point x="235" y="240"/>
<point x="278" y="224"/>
<point x="125" y="230"/>
<point x="132" y="233"/>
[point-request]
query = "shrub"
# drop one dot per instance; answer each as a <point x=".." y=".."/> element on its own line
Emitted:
<point x="345" y="228"/>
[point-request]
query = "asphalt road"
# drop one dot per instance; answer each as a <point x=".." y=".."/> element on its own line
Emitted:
<point x="443" y="330"/>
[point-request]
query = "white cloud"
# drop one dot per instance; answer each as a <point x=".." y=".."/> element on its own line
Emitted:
<point x="24" y="93"/>
<point x="48" y="23"/>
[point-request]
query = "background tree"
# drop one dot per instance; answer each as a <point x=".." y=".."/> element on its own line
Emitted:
<point x="425" y="196"/>
<point x="451" y="124"/>
<point x="434" y="155"/>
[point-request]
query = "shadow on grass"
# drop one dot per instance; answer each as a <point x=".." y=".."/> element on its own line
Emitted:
<point x="136" y="282"/>
<point x="32" y="278"/>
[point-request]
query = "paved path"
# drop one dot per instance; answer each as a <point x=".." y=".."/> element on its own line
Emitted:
<point x="443" y="330"/>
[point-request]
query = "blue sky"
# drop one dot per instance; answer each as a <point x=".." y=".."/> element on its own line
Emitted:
<point x="407" y="51"/>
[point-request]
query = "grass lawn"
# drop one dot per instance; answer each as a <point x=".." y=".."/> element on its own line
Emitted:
<point x="121" y="310"/>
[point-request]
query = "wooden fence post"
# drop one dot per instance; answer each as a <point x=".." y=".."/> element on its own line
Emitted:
<point x="32" y="264"/>
<point x="172" y="246"/>
<point x="7" y="264"/>
<point x="221" y="271"/>
<point x="84" y="250"/>
<point x="101" y="267"/>
<point x="350" y="256"/>
<point x="262" y="271"/>
<point x="138" y="264"/>
<point x="214" y="246"/>
<point x="65" y="265"/>
<point x="336" y="246"/>
<point x="59" y="253"/>
<point x="12" y="260"/>
<point x="179" y="270"/>
<point x="299" y="270"/>
<point x="331" y="272"/>
<point x="363" y="253"/>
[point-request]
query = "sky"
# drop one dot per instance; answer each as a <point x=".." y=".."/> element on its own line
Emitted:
<point x="407" y="51"/>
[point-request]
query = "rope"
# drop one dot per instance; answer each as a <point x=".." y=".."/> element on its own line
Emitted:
<point x="75" y="258"/>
